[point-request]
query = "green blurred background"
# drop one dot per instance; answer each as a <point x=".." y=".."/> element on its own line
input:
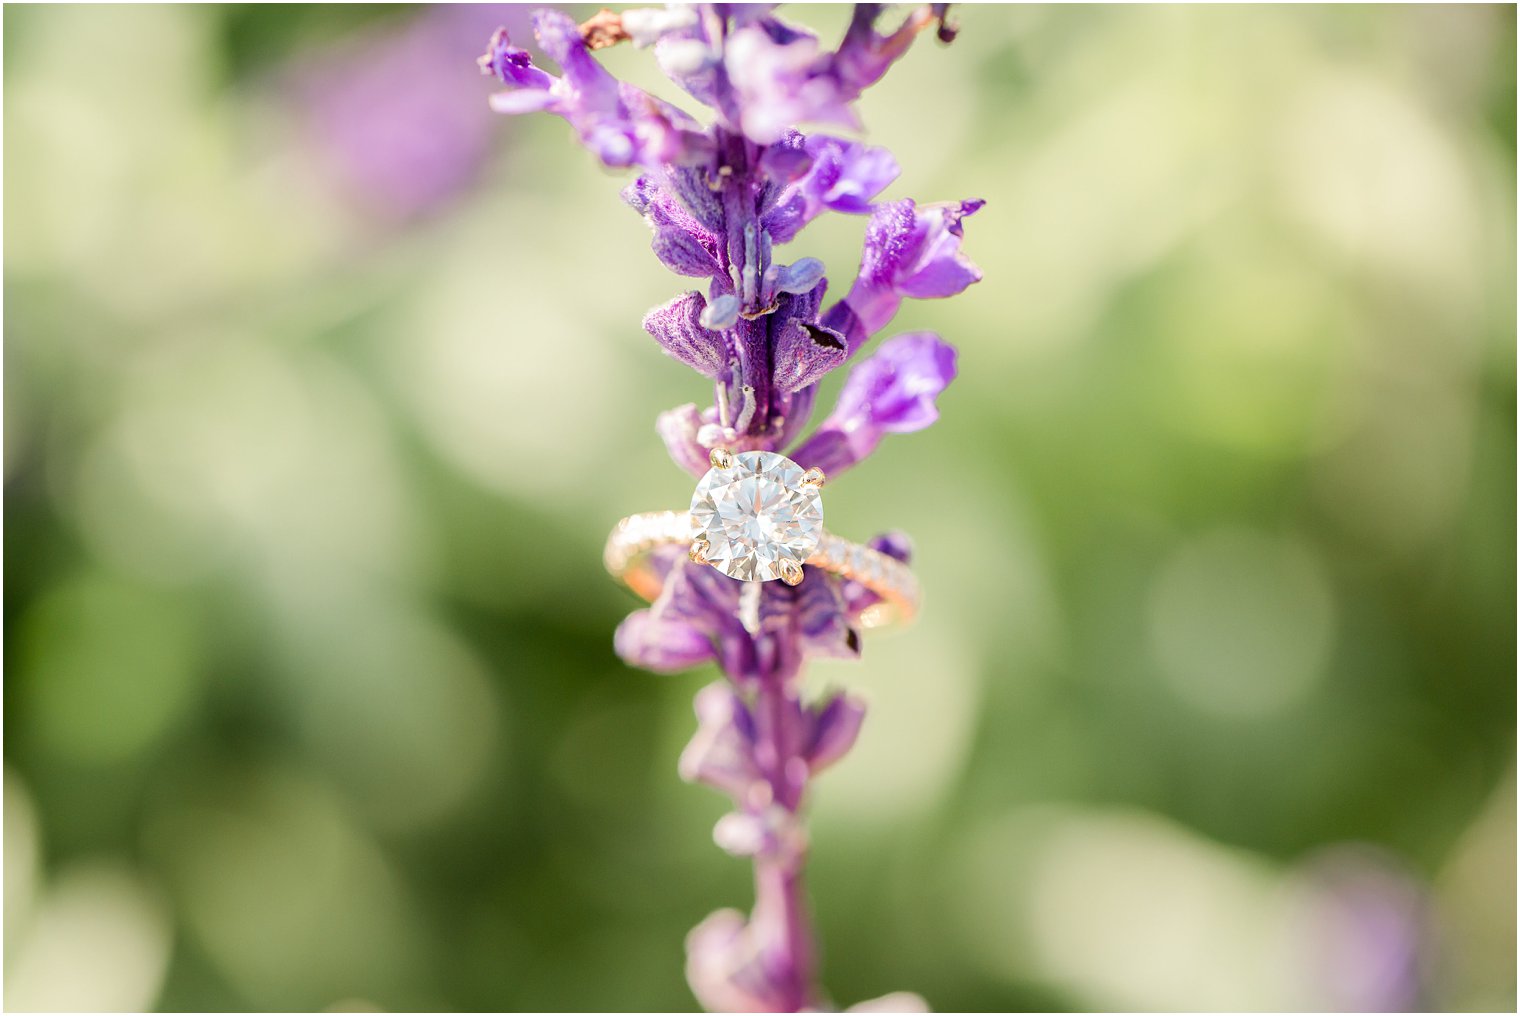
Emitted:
<point x="323" y="386"/>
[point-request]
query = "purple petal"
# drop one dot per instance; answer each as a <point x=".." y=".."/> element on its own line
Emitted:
<point x="819" y="620"/>
<point x="792" y="410"/>
<point x="644" y="641"/>
<point x="804" y="353"/>
<point x="780" y="83"/>
<point x="678" y="327"/>
<point x="726" y="969"/>
<point x="842" y="176"/>
<point x="621" y="124"/>
<point x="721" y="752"/>
<point x="525" y="101"/>
<point x="683" y="243"/>
<point x="893" y="391"/>
<point x="781" y="78"/>
<point x="786" y="218"/>
<point x="786" y="160"/>
<point x="690" y="62"/>
<point x="689" y="186"/>
<point x="910" y="251"/>
<point x="684" y="250"/>
<point x="846" y="175"/>
<point x="834" y="729"/>
<point x="865" y="54"/>
<point x="513" y="65"/>
<point x="894" y="544"/>
<point x="678" y="428"/>
<point x="560" y="37"/>
<point x="803" y="349"/>
<point x="663" y="134"/>
<point x="941" y="270"/>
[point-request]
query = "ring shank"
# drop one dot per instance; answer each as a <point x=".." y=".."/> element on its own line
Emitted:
<point x="631" y="541"/>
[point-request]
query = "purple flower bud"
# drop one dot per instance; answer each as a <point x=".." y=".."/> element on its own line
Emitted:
<point x="865" y="54"/>
<point x="799" y="276"/>
<point x="892" y="391"/>
<point x="841" y="176"/>
<point x="856" y="596"/>
<point x="678" y="428"/>
<point x="845" y="175"/>
<point x="643" y="640"/>
<point x="910" y="250"/>
<point x="770" y="832"/>
<point x="893" y="543"/>
<point x="781" y="81"/>
<point x="741" y="833"/>
<point x="834" y="727"/>
<point x="513" y="65"/>
<point x="721" y="753"/>
<point x="678" y="327"/>
<point x="622" y="125"/>
<point x="787" y="159"/>
<point x="722" y="313"/>
<point x="726" y="969"/>
<point x="680" y="241"/>
<point x="781" y="78"/>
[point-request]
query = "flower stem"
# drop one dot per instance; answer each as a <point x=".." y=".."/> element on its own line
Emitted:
<point x="781" y="918"/>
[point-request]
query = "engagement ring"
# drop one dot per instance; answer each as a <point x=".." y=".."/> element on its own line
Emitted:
<point x="758" y="516"/>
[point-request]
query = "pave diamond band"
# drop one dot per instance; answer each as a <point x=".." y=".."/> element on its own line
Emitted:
<point x="627" y="558"/>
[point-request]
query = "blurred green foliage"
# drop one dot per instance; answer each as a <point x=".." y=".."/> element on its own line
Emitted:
<point x="310" y="695"/>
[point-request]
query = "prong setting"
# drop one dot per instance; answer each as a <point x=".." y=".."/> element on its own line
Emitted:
<point x="791" y="572"/>
<point x="814" y="478"/>
<point x="754" y="514"/>
<point x="698" y="552"/>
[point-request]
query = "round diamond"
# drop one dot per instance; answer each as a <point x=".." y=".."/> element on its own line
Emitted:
<point x="756" y="515"/>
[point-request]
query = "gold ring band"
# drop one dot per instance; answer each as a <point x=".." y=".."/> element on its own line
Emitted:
<point x="627" y="553"/>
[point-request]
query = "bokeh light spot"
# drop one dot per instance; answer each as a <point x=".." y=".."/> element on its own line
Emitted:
<point x="106" y="667"/>
<point x="1241" y="623"/>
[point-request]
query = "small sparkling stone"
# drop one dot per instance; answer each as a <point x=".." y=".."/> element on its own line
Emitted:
<point x="755" y="515"/>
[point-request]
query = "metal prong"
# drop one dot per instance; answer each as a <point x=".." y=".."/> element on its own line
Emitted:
<point x="698" y="552"/>
<point x="791" y="572"/>
<point x="721" y="458"/>
<point x="813" y="478"/>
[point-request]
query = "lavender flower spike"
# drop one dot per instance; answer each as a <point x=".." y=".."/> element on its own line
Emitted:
<point x="721" y="196"/>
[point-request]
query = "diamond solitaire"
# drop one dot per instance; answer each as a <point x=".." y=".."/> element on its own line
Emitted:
<point x="756" y="516"/>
